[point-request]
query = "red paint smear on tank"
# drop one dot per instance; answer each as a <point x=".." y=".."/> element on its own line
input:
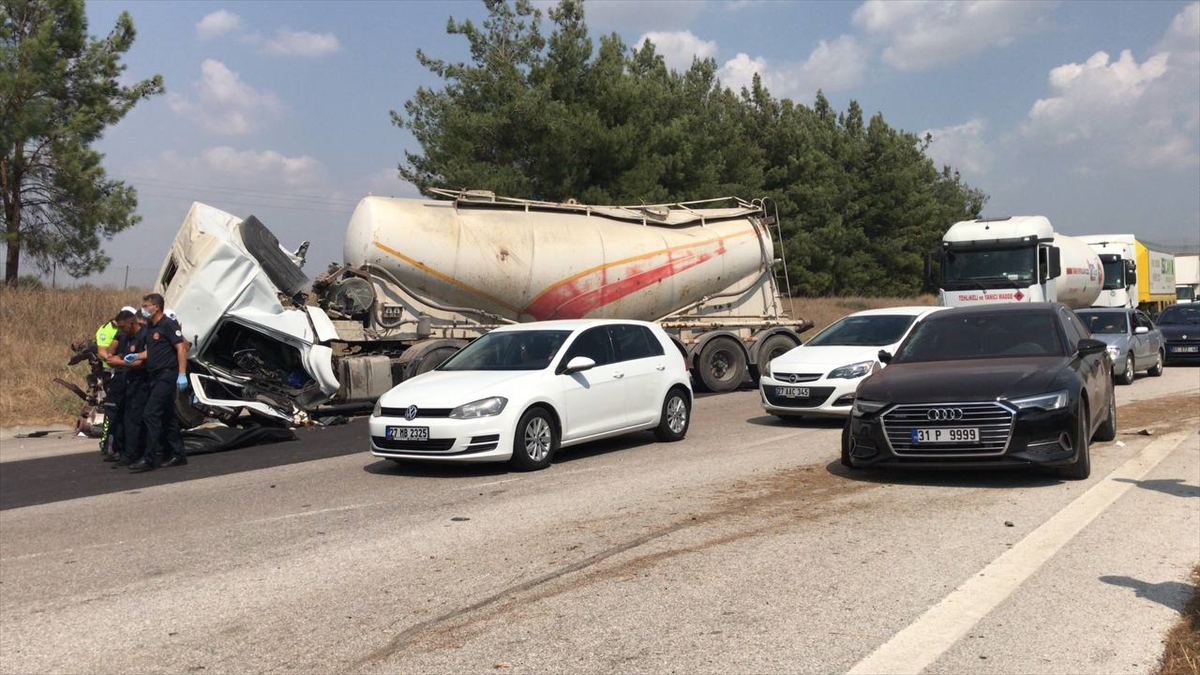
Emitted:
<point x="576" y="298"/>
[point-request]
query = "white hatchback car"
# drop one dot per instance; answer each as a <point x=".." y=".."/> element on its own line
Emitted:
<point x="521" y="392"/>
<point x="819" y="377"/>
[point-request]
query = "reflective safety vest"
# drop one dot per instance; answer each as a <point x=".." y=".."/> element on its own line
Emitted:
<point x="104" y="337"/>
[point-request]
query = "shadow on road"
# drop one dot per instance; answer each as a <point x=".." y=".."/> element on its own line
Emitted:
<point x="1170" y="486"/>
<point x="1172" y="594"/>
<point x="1016" y="477"/>
<point x="451" y="470"/>
<point x="798" y="422"/>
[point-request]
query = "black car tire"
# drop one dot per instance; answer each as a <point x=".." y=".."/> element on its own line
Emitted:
<point x="1158" y="364"/>
<point x="535" y="441"/>
<point x="676" y="417"/>
<point x="1126" y="376"/>
<point x="1082" y="468"/>
<point x="1108" y="428"/>
<point x="722" y="365"/>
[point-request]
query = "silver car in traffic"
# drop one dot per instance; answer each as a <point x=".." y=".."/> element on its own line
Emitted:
<point x="1134" y="343"/>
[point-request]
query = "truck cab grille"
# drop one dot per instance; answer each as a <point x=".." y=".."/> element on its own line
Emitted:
<point x="993" y="420"/>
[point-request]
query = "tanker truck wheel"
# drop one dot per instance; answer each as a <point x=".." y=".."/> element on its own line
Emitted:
<point x="425" y="356"/>
<point x="722" y="365"/>
<point x="772" y="348"/>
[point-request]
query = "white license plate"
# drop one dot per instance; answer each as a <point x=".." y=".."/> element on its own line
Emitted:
<point x="792" y="392"/>
<point x="1186" y="349"/>
<point x="408" y="433"/>
<point x="957" y="435"/>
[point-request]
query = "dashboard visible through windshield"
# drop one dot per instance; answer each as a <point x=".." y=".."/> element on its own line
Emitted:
<point x="989" y="268"/>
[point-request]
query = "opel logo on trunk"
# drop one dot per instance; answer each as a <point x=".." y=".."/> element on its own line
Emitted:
<point x="944" y="414"/>
<point x="411" y="413"/>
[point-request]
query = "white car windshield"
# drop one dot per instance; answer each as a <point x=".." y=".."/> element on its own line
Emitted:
<point x="863" y="331"/>
<point x="509" y="350"/>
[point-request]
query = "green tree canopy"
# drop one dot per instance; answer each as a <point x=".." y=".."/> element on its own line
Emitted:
<point x="556" y="118"/>
<point x="59" y="90"/>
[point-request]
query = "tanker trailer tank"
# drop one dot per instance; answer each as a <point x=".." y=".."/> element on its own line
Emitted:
<point x="704" y="274"/>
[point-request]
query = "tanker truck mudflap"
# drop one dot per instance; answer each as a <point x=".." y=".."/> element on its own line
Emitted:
<point x="225" y="277"/>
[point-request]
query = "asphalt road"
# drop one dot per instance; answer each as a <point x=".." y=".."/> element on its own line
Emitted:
<point x="745" y="548"/>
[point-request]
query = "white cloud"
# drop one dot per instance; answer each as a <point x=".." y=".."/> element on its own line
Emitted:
<point x="222" y="104"/>
<point x="921" y="35"/>
<point x="832" y="66"/>
<point x="679" y="48"/>
<point x="293" y="171"/>
<point x="623" y="15"/>
<point x="218" y="23"/>
<point x="962" y="147"/>
<point x="287" y="42"/>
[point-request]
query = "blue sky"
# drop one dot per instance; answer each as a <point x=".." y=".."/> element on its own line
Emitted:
<point x="1085" y="112"/>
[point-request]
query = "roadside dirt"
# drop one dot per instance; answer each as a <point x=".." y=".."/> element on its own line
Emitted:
<point x="1182" y="655"/>
<point x="1159" y="415"/>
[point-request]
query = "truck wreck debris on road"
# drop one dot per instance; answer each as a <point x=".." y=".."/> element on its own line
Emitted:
<point x="420" y="278"/>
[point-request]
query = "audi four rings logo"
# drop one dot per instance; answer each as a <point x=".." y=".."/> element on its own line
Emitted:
<point x="411" y="413"/>
<point x="945" y="414"/>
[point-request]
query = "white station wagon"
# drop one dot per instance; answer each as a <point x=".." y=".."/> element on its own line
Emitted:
<point x="521" y="392"/>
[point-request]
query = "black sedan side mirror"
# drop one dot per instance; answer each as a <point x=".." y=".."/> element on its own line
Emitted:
<point x="1088" y="346"/>
<point x="885" y="356"/>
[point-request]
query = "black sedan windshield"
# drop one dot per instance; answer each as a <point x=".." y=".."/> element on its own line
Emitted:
<point x="1179" y="315"/>
<point x="509" y="350"/>
<point x="1105" y="323"/>
<point x="982" y="336"/>
<point x="863" y="331"/>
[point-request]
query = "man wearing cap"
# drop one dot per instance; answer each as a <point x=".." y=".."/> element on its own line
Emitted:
<point x="105" y="338"/>
<point x="165" y="356"/>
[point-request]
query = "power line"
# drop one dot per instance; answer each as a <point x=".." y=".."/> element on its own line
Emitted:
<point x="309" y="209"/>
<point x="168" y="184"/>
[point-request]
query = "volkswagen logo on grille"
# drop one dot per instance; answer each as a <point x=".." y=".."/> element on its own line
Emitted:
<point x="944" y="414"/>
<point x="411" y="413"/>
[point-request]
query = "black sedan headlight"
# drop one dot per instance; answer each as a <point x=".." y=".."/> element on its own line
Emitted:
<point x="1049" y="401"/>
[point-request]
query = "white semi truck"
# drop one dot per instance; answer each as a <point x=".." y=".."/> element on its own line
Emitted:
<point x="420" y="278"/>
<point x="1135" y="274"/>
<point x="1016" y="259"/>
<point x="1187" y="278"/>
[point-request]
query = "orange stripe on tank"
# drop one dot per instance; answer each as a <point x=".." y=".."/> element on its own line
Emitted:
<point x="446" y="277"/>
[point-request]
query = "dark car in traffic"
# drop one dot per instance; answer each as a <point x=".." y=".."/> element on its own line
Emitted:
<point x="1180" y="326"/>
<point x="1007" y="385"/>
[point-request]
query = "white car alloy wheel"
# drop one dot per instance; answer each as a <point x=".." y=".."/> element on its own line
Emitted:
<point x="538" y="438"/>
<point x="677" y="415"/>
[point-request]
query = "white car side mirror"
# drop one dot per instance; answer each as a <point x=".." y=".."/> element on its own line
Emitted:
<point x="1141" y="330"/>
<point x="579" y="363"/>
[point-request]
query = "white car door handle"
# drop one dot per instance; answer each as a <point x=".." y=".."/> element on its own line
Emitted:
<point x="617" y="376"/>
<point x="660" y="368"/>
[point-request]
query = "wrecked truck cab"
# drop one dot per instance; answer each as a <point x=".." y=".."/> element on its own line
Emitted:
<point x="227" y="279"/>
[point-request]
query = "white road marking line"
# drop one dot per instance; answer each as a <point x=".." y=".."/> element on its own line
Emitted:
<point x="938" y="629"/>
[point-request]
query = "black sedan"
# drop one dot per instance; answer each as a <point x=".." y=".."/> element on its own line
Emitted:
<point x="987" y="386"/>
<point x="1180" y="326"/>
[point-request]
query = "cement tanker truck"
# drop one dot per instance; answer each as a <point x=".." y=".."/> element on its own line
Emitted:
<point x="1016" y="259"/>
<point x="420" y="278"/>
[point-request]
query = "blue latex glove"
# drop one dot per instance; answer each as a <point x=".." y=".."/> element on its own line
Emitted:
<point x="181" y="382"/>
<point x="132" y="358"/>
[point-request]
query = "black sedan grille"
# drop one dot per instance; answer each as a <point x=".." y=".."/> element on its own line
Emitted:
<point x="993" y="420"/>
<point x="816" y="396"/>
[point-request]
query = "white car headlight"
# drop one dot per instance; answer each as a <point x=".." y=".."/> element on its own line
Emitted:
<point x="852" y="371"/>
<point x="485" y="407"/>
<point x="766" y="370"/>
<point x="862" y="407"/>
<point x="1113" y="351"/>
<point x="378" y="407"/>
<point x="1052" y="401"/>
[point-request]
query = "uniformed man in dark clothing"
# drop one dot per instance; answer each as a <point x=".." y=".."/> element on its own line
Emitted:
<point x="135" y="395"/>
<point x="165" y="354"/>
<point x="114" y="400"/>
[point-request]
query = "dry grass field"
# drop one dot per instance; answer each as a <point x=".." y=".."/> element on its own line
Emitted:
<point x="38" y="326"/>
<point x="36" y="330"/>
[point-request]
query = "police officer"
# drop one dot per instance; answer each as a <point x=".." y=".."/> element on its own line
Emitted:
<point x="116" y="406"/>
<point x="134" y="401"/>
<point x="105" y="336"/>
<point x="165" y="354"/>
